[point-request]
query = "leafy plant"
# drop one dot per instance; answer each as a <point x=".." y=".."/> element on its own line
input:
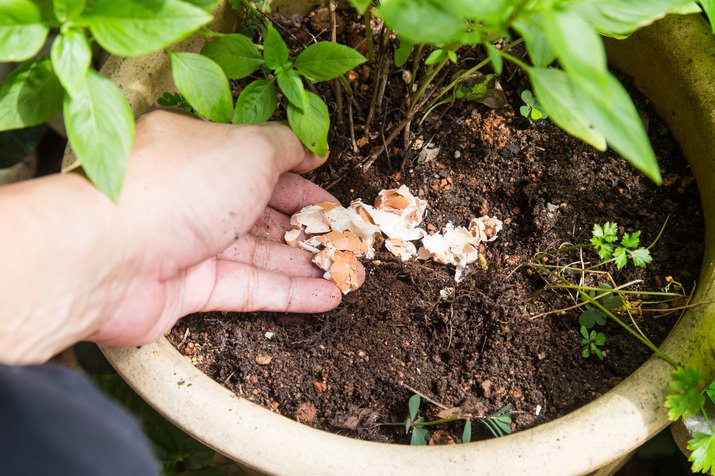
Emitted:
<point x="100" y="124"/>
<point x="605" y="241"/>
<point x="581" y="96"/>
<point x="498" y="423"/>
<point x="531" y="108"/>
<point x="307" y="112"/>
<point x="591" y="343"/>
<point x="615" y="302"/>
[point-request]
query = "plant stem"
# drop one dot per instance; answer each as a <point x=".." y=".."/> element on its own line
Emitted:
<point x="471" y="71"/>
<point x="367" y="18"/>
<point x="643" y="340"/>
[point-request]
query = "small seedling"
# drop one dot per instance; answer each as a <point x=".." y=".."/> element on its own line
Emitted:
<point x="593" y="315"/>
<point x="174" y="100"/>
<point x="498" y="423"/>
<point x="591" y="342"/>
<point x="412" y="423"/>
<point x="531" y="108"/>
<point x="605" y="238"/>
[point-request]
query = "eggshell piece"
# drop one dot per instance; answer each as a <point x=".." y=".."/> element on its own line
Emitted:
<point x="405" y="250"/>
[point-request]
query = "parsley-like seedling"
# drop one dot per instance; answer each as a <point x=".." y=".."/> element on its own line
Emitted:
<point x="687" y="399"/>
<point x="605" y="240"/>
<point x="591" y="342"/>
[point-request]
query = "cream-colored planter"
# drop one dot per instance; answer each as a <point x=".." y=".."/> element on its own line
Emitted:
<point x="673" y="62"/>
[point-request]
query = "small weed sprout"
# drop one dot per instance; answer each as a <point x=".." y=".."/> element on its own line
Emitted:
<point x="591" y="343"/>
<point x="498" y="423"/>
<point x="174" y="100"/>
<point x="531" y="109"/>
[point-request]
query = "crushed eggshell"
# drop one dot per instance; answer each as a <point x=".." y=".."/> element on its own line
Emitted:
<point x="341" y="235"/>
<point x="456" y="247"/>
<point x="405" y="250"/>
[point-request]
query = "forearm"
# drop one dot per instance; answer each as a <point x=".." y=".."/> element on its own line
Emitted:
<point x="59" y="239"/>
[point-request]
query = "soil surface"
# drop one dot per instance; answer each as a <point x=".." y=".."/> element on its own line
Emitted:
<point x="483" y="343"/>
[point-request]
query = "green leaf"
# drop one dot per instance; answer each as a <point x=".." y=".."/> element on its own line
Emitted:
<point x="631" y="240"/>
<point x="619" y="18"/>
<point x="290" y="83"/>
<point x="590" y="317"/>
<point x="424" y="21"/>
<point x="578" y="47"/>
<point x="30" y="95"/>
<point x="611" y="111"/>
<point x="256" y="103"/>
<point x="702" y="455"/>
<point x="599" y="338"/>
<point x="641" y="257"/>
<point x="555" y="95"/>
<point x="22" y="31"/>
<point x="205" y="5"/>
<point x="100" y="127"/>
<point x="71" y="56"/>
<point x="527" y="97"/>
<point x="204" y="85"/>
<point x="686" y="399"/>
<point x="275" y="50"/>
<point x="495" y="57"/>
<point x="711" y="391"/>
<point x="413" y="405"/>
<point x="236" y="54"/>
<point x="137" y="27"/>
<point x="532" y="29"/>
<point x="325" y="60"/>
<point x="311" y="125"/>
<point x="360" y="5"/>
<point x="436" y="56"/>
<point x="525" y="111"/>
<point x="621" y="257"/>
<point x="610" y="231"/>
<point x="403" y="52"/>
<point x="467" y="433"/>
<point x="709" y="9"/>
<point x="68" y="9"/>
<point x="419" y="433"/>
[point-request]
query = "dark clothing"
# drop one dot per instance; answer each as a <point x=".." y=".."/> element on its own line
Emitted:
<point x="53" y="421"/>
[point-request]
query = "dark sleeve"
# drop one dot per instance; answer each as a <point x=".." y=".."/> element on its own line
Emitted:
<point x="54" y="422"/>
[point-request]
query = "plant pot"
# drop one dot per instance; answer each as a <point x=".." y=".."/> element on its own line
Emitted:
<point x="671" y="62"/>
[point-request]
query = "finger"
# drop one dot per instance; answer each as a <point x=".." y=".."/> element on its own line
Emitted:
<point x="272" y="225"/>
<point x="244" y="288"/>
<point x="290" y="154"/>
<point x="293" y="192"/>
<point x="272" y="256"/>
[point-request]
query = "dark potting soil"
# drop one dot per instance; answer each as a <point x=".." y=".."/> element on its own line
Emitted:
<point x="476" y="344"/>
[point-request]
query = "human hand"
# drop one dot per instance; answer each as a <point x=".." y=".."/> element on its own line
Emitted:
<point x="207" y="206"/>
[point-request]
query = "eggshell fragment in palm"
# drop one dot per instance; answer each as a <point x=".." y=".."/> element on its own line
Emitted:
<point x="313" y="218"/>
<point x="341" y="241"/>
<point x="405" y="250"/>
<point x="342" y="270"/>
